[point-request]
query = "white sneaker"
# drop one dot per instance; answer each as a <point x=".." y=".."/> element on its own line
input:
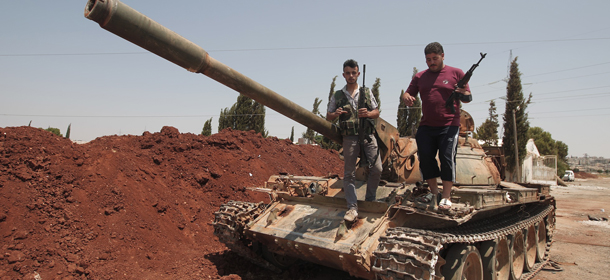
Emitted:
<point x="351" y="215"/>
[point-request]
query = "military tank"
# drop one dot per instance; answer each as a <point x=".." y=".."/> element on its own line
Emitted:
<point x="494" y="229"/>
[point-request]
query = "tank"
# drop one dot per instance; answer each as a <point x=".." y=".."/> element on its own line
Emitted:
<point x="494" y="230"/>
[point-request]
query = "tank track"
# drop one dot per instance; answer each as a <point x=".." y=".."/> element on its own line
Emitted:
<point x="407" y="253"/>
<point x="229" y="224"/>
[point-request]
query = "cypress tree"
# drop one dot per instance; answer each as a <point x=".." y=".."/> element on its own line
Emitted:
<point x="246" y="114"/>
<point x="375" y="92"/>
<point x="68" y="131"/>
<point x="408" y="118"/>
<point x="310" y="134"/>
<point x="207" y="128"/>
<point x="322" y="140"/>
<point x="515" y="106"/>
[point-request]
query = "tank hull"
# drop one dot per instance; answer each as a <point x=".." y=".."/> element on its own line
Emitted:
<point x="309" y="231"/>
<point x="395" y="237"/>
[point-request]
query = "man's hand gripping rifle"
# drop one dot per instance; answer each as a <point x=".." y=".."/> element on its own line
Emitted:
<point x="449" y="104"/>
<point x="362" y="123"/>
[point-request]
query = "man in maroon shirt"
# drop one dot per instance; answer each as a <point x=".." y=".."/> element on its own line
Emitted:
<point x="439" y="128"/>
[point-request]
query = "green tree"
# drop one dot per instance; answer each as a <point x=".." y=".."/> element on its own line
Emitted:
<point x="488" y="130"/>
<point x="54" y="131"/>
<point x="375" y="92"/>
<point x="68" y="131"/>
<point x="543" y="140"/>
<point x="207" y="128"/>
<point x="322" y="140"/>
<point x="332" y="87"/>
<point x="414" y="117"/>
<point x="310" y="134"/>
<point x="246" y="114"/>
<point x="548" y="146"/>
<point x="401" y="116"/>
<point x="562" y="157"/>
<point x="408" y="118"/>
<point x="292" y="135"/>
<point x="515" y="106"/>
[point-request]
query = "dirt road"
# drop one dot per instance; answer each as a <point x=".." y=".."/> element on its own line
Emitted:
<point x="581" y="246"/>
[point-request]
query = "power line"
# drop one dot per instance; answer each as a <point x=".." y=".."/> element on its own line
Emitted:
<point x="563" y="111"/>
<point x="72" y="54"/>
<point x="313" y="48"/>
<point x="571" y="90"/>
<point x="571" y="116"/>
<point x="125" y="116"/>
<point x="534" y="96"/>
<point x="575" y="68"/>
<point x="570" y="78"/>
<point x="592" y="95"/>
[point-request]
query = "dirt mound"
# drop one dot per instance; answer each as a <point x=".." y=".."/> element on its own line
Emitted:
<point x="584" y="175"/>
<point x="133" y="207"/>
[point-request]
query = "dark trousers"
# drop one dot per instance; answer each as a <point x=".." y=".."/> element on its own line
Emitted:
<point x="442" y="140"/>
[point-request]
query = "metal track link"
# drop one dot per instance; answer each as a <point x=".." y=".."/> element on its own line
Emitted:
<point x="538" y="266"/>
<point x="229" y="225"/>
<point x="406" y="253"/>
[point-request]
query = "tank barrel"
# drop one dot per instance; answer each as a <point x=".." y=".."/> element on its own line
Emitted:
<point x="131" y="25"/>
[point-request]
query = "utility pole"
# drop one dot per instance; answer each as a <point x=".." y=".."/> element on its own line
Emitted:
<point x="517" y="169"/>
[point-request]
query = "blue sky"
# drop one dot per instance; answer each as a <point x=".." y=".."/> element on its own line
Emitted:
<point x="59" y="68"/>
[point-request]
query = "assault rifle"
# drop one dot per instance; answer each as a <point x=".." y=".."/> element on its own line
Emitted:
<point x="364" y="159"/>
<point x="449" y="104"/>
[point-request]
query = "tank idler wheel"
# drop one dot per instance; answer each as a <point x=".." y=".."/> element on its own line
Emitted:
<point x="517" y="252"/>
<point x="280" y="261"/>
<point x="531" y="241"/>
<point x="541" y="246"/>
<point x="463" y="262"/>
<point x="495" y="255"/>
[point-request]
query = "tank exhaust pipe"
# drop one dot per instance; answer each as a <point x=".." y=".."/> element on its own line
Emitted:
<point x="131" y="25"/>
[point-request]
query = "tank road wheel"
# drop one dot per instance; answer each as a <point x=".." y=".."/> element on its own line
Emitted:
<point x="495" y="255"/>
<point x="541" y="245"/>
<point x="531" y="241"/>
<point x="281" y="261"/>
<point x="517" y="253"/>
<point x="463" y="262"/>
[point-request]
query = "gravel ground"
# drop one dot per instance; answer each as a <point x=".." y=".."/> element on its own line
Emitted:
<point x="581" y="246"/>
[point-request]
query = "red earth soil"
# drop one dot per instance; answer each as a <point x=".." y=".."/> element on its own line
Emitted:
<point x="584" y="175"/>
<point x="136" y="207"/>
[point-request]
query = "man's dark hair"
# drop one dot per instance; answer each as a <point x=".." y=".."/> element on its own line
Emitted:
<point x="350" y="63"/>
<point x="434" y="47"/>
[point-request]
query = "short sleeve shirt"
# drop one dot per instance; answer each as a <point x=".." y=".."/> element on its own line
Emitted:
<point x="434" y="89"/>
<point x="332" y="103"/>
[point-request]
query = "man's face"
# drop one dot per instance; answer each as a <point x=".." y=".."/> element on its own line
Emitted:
<point x="350" y="74"/>
<point x="435" y="61"/>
